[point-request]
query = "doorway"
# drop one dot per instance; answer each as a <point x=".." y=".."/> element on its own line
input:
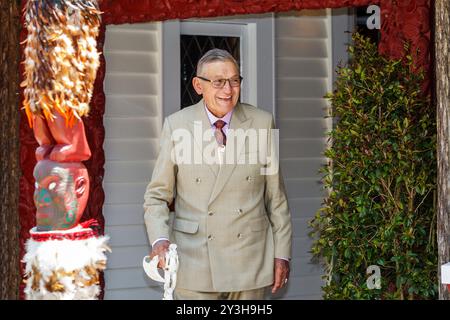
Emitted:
<point x="290" y="61"/>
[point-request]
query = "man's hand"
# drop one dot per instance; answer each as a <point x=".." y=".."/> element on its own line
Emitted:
<point x="281" y="274"/>
<point x="159" y="249"/>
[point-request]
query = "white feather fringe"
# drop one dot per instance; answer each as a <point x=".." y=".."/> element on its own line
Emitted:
<point x="64" y="269"/>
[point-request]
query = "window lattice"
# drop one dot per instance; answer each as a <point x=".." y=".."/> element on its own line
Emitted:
<point x="192" y="48"/>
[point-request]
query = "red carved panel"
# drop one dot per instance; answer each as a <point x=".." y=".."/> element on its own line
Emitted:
<point x="132" y="11"/>
<point x="255" y="6"/>
<point x="95" y="133"/>
<point x="407" y="21"/>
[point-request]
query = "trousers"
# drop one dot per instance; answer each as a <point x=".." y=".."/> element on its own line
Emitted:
<point x="255" y="294"/>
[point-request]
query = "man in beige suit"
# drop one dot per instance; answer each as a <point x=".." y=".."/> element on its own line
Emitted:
<point x="232" y="223"/>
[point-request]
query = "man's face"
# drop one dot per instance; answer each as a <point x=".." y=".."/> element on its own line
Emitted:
<point x="219" y="101"/>
<point x="61" y="193"/>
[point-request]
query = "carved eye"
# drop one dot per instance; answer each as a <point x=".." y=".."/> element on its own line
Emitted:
<point x="52" y="186"/>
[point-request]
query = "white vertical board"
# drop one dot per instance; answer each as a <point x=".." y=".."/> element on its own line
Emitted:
<point x="132" y="124"/>
<point x="303" y="51"/>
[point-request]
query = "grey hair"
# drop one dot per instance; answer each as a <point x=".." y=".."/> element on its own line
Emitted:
<point x="215" y="55"/>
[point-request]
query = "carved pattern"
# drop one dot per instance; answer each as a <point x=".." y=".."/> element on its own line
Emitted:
<point x="133" y="11"/>
<point x="407" y="21"/>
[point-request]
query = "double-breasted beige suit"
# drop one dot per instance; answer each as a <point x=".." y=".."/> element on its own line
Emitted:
<point x="230" y="220"/>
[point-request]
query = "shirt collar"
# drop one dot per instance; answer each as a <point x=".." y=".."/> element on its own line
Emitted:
<point x="212" y="118"/>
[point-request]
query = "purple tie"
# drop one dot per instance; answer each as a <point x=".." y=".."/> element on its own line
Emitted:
<point x="219" y="134"/>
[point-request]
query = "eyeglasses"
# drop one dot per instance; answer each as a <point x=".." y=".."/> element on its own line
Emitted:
<point x="220" y="83"/>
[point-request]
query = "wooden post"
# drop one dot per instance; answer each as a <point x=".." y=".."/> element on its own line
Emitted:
<point x="442" y="59"/>
<point x="9" y="148"/>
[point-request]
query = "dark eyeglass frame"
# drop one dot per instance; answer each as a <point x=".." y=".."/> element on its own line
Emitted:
<point x="220" y="83"/>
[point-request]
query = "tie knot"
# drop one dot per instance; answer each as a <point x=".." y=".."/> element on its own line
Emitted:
<point x="219" y="124"/>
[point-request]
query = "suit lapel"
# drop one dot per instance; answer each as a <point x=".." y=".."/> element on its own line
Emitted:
<point x="238" y="121"/>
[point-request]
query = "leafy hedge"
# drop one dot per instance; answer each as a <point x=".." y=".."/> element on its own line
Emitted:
<point x="380" y="209"/>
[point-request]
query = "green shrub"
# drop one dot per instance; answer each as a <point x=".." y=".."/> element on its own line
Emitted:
<point x="381" y="182"/>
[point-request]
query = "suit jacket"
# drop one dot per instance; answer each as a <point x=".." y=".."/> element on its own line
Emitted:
<point x="230" y="220"/>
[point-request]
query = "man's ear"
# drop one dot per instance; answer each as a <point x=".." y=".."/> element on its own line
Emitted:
<point x="80" y="186"/>
<point x="197" y="85"/>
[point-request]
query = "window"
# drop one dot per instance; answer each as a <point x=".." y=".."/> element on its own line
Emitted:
<point x="192" y="48"/>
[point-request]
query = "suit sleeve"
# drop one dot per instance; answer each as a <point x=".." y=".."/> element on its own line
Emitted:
<point x="160" y="191"/>
<point x="276" y="200"/>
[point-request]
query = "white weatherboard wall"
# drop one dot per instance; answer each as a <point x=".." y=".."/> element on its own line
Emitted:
<point x="303" y="54"/>
<point x="132" y="124"/>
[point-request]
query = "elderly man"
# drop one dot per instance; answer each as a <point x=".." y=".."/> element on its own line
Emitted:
<point x="232" y="222"/>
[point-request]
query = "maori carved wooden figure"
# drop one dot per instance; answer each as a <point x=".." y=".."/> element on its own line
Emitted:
<point x="61" y="62"/>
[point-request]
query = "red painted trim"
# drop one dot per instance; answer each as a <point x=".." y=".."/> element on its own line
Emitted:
<point x="83" y="234"/>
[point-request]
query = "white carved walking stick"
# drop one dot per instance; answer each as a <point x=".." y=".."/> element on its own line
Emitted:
<point x="170" y="270"/>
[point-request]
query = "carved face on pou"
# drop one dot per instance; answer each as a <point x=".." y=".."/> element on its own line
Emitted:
<point x="60" y="195"/>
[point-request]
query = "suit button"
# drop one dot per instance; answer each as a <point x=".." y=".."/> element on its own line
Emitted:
<point x="198" y="180"/>
<point x="210" y="213"/>
<point x="239" y="211"/>
<point x="210" y="237"/>
<point x="239" y="235"/>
